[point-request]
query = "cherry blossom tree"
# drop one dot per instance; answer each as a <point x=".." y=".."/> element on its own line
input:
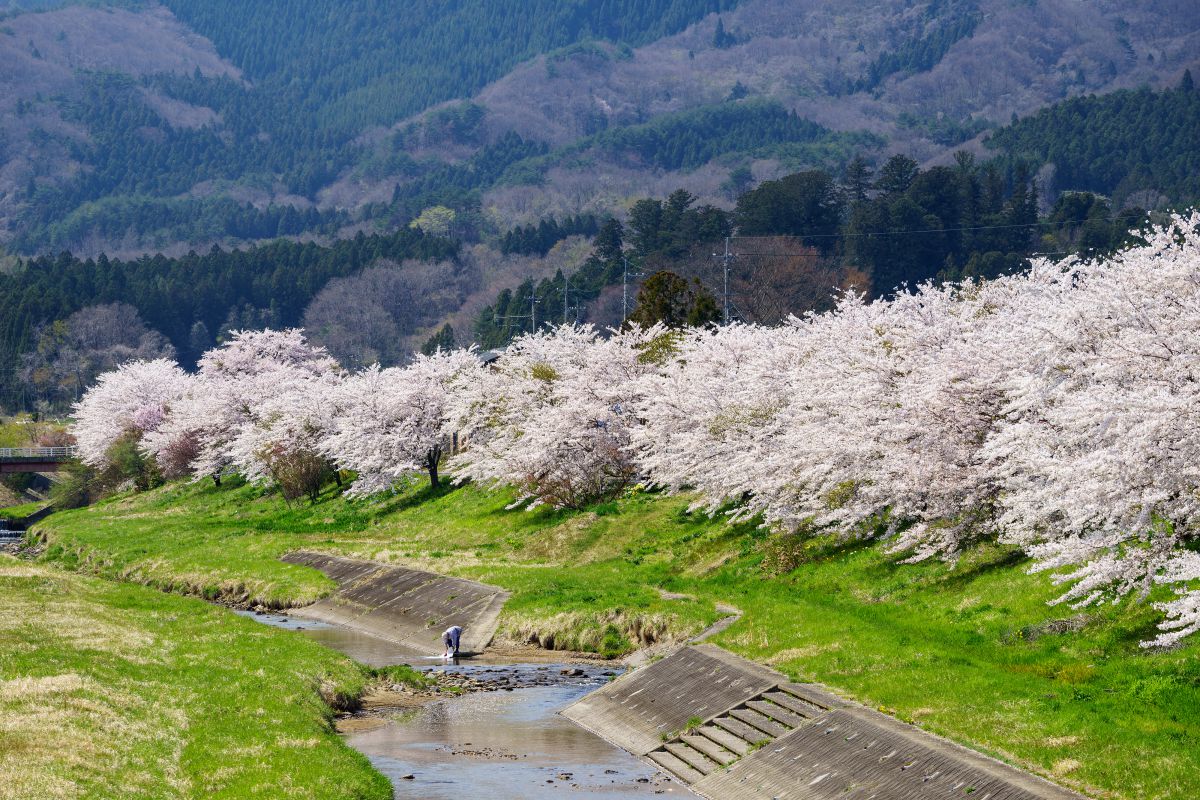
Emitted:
<point x="392" y="422"/>
<point x="710" y="415"/>
<point x="1057" y="410"/>
<point x="132" y="400"/>
<point x="238" y="392"/>
<point x="552" y="416"/>
<point x="280" y="442"/>
<point x="1098" y="456"/>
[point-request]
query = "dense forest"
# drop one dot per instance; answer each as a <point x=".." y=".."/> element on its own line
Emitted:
<point x="537" y="239"/>
<point x="797" y="239"/>
<point x="317" y="74"/>
<point x="1116" y="144"/>
<point x="754" y="127"/>
<point x="345" y="65"/>
<point x="735" y="129"/>
<point x="189" y="300"/>
<point x="279" y="118"/>
<point x="942" y="24"/>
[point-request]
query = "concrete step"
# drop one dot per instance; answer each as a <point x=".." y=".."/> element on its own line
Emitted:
<point x="777" y="713"/>
<point x="673" y="765"/>
<point x="725" y="739"/>
<point x="793" y="704"/>
<point x="692" y="757"/>
<point x="710" y="748"/>
<point x="760" y="721"/>
<point x="740" y="729"/>
<point x="821" y="700"/>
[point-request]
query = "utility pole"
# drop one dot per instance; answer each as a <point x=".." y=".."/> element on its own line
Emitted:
<point x="725" y="257"/>
<point x="566" y="292"/>
<point x="625" y="289"/>
<point x="531" y="316"/>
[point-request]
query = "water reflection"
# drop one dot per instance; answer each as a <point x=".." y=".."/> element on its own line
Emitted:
<point x="506" y="745"/>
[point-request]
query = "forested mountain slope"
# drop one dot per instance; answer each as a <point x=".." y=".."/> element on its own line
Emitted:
<point x="1139" y="146"/>
<point x="926" y="78"/>
<point x="128" y="126"/>
<point x="125" y="121"/>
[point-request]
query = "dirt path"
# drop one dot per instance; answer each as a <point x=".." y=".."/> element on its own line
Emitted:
<point x="663" y="649"/>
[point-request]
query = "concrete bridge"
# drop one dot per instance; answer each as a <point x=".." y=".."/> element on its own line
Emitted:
<point x="34" y="459"/>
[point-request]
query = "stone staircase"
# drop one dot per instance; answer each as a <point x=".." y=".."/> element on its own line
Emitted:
<point x="725" y="738"/>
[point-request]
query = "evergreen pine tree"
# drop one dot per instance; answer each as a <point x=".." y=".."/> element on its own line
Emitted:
<point x="442" y="340"/>
<point x="858" y="179"/>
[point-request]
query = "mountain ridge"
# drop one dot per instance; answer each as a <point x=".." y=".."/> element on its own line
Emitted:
<point x="925" y="77"/>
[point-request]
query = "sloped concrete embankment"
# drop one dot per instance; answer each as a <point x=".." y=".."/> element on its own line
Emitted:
<point x="732" y="729"/>
<point x="406" y="606"/>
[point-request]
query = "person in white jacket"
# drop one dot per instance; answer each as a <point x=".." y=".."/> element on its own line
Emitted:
<point x="450" y="639"/>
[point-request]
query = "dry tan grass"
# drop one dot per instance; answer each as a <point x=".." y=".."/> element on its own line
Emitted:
<point x="799" y="653"/>
<point x="1065" y="766"/>
<point x="64" y="733"/>
<point x="553" y="542"/>
<point x="579" y="631"/>
<point x="1062" y="741"/>
<point x="67" y="731"/>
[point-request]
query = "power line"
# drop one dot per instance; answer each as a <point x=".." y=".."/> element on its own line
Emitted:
<point x="532" y="315"/>
<point x="869" y="234"/>
<point x="822" y="255"/>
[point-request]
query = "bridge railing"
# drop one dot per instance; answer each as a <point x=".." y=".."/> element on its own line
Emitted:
<point x="37" y="453"/>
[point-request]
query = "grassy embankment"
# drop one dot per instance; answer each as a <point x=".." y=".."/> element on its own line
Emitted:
<point x="113" y="690"/>
<point x="14" y="432"/>
<point x="21" y="511"/>
<point x="971" y="652"/>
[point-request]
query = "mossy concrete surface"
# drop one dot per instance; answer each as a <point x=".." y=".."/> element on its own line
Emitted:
<point x="733" y="730"/>
<point x="407" y="606"/>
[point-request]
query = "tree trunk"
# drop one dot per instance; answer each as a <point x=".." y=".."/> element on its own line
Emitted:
<point x="217" y="478"/>
<point x="431" y="463"/>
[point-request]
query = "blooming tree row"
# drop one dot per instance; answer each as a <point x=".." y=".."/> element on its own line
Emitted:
<point x="1054" y="410"/>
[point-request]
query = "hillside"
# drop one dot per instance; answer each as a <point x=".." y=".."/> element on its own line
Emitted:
<point x="971" y="652"/>
<point x="230" y="122"/>
<point x="924" y="79"/>
<point x="110" y="149"/>
<point x="1138" y="146"/>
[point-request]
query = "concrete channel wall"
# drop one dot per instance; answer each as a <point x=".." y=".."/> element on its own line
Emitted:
<point x="733" y="730"/>
<point x="406" y="606"/>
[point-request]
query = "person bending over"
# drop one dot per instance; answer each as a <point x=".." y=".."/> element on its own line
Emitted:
<point x="450" y="639"/>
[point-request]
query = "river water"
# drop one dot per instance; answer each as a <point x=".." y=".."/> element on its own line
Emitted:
<point x="503" y="744"/>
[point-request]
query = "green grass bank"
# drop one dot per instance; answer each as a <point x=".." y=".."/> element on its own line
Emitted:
<point x="971" y="652"/>
<point x="21" y="511"/>
<point x="113" y="690"/>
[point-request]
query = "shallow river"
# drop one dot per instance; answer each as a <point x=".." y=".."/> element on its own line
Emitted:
<point x="504" y="744"/>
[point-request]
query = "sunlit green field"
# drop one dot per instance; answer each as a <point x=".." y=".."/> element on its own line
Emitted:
<point x="112" y="690"/>
<point x="972" y="652"/>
